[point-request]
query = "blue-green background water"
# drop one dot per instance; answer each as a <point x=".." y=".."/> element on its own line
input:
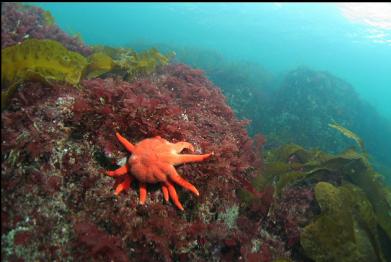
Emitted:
<point x="278" y="36"/>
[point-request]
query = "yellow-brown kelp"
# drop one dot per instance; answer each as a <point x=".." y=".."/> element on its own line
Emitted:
<point x="127" y="61"/>
<point x="99" y="63"/>
<point x="346" y="228"/>
<point x="346" y="132"/>
<point x="44" y="59"/>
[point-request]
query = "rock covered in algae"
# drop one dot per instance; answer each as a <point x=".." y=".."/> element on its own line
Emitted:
<point x="20" y="22"/>
<point x="127" y="62"/>
<point x="56" y="150"/>
<point x="346" y="228"/>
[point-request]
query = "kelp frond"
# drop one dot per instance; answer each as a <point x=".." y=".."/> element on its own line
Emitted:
<point x="346" y="132"/>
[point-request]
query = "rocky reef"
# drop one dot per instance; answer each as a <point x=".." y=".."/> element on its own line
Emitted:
<point x="58" y="139"/>
<point x="303" y="99"/>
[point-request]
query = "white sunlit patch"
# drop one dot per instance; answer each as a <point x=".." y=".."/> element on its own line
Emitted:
<point x="375" y="15"/>
<point x="278" y="4"/>
<point x="376" y="34"/>
<point x="383" y="41"/>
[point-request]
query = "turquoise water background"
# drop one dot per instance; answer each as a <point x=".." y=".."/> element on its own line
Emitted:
<point x="280" y="37"/>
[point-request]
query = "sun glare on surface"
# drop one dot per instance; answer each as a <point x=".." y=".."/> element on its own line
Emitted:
<point x="373" y="14"/>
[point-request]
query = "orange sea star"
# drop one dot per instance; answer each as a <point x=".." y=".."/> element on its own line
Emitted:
<point x="153" y="161"/>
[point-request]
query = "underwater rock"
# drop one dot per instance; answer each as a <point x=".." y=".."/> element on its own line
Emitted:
<point x="99" y="243"/>
<point x="69" y="133"/>
<point x="307" y="101"/>
<point x="20" y="22"/>
<point x="304" y="100"/>
<point x="245" y="84"/>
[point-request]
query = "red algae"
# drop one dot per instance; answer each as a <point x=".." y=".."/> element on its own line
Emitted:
<point x="56" y="148"/>
<point x="21" y="22"/>
<point x="100" y="244"/>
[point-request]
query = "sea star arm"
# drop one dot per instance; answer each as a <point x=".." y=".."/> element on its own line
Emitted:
<point x="185" y="158"/>
<point x="118" y="172"/>
<point x="143" y="193"/>
<point x="182" y="145"/>
<point x="129" y="146"/>
<point x="173" y="195"/>
<point x="159" y="174"/>
<point x="123" y="185"/>
<point x="165" y="192"/>
<point x="175" y="177"/>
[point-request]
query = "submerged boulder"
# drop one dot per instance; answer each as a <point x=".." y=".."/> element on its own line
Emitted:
<point x="58" y="141"/>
